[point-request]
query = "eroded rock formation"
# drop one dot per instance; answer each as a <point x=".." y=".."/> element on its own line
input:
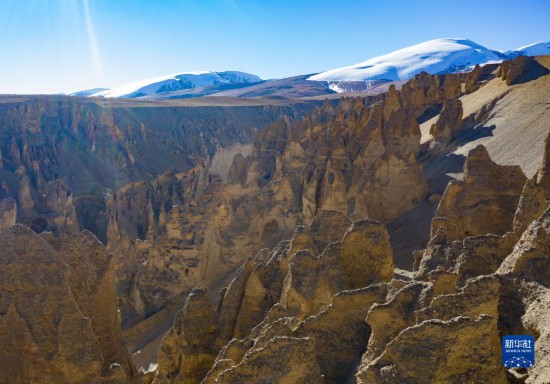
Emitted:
<point x="8" y="213"/>
<point x="485" y="202"/>
<point x="277" y="292"/>
<point x="58" y="318"/>
<point x="358" y="157"/>
<point x="319" y="300"/>
<point x="309" y="298"/>
<point x="449" y="123"/>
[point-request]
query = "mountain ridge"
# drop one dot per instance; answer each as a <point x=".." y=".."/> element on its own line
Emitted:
<point x="438" y="56"/>
<point x="177" y="82"/>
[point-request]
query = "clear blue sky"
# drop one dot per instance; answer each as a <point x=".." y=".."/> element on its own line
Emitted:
<point x="49" y="46"/>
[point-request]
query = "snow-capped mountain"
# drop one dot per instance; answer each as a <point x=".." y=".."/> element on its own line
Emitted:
<point x="537" y="49"/>
<point x="434" y="56"/>
<point x="88" y="92"/>
<point x="178" y="82"/>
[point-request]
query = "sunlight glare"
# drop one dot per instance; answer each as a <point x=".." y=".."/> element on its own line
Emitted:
<point x="92" y="40"/>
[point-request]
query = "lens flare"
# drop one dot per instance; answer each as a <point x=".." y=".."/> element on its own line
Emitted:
<point x="92" y="40"/>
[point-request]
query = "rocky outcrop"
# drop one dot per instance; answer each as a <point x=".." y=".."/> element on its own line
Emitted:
<point x="293" y="282"/>
<point x="449" y="124"/>
<point x="471" y="257"/>
<point x="282" y="360"/>
<point x="455" y="351"/>
<point x="485" y="202"/>
<point x="55" y="150"/>
<point x="388" y="319"/>
<point x="511" y="70"/>
<point x="92" y="280"/>
<point x="58" y="319"/>
<point x="343" y="158"/>
<point x="189" y="349"/>
<point x="531" y="206"/>
<point x="471" y="83"/>
<point x="530" y="258"/>
<point x="479" y="296"/>
<point x="164" y="236"/>
<point x="479" y="76"/>
<point x="306" y="311"/>
<point x="543" y="174"/>
<point x="341" y="329"/>
<point x="418" y="321"/>
<point x="355" y="158"/>
<point x="8" y="213"/>
<point x="426" y="92"/>
<point x="59" y="207"/>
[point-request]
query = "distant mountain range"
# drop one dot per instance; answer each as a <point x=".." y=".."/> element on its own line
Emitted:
<point x="434" y="56"/>
<point x="178" y="82"/>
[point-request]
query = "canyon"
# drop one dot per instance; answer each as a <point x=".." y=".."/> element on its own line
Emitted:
<point x="387" y="237"/>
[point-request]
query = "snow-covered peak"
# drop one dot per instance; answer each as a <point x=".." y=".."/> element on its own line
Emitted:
<point x="434" y="56"/>
<point x="537" y="49"/>
<point x="178" y="82"/>
<point x="88" y="92"/>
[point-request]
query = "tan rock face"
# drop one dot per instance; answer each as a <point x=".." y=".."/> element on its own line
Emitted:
<point x="341" y="329"/>
<point x="530" y="258"/>
<point x="479" y="296"/>
<point x="343" y="158"/>
<point x="355" y="158"/>
<point x="282" y="360"/>
<point x="426" y="91"/>
<point x="8" y="213"/>
<point x="365" y="254"/>
<point x="278" y="285"/>
<point x="92" y="281"/>
<point x="388" y="319"/>
<point x="449" y="123"/>
<point x="44" y="206"/>
<point x="46" y="336"/>
<point x="59" y="206"/>
<point x="164" y="250"/>
<point x="473" y="77"/>
<point x="543" y="174"/>
<point x="418" y="312"/>
<point x="443" y="326"/>
<point x="469" y="258"/>
<point x="188" y="351"/>
<point x="513" y="69"/>
<point x="454" y="351"/>
<point x="485" y="202"/>
<point x="531" y="206"/>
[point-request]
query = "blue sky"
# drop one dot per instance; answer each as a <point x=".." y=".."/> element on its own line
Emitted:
<point x="49" y="46"/>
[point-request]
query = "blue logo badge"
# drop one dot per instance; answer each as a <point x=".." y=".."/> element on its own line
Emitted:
<point x="518" y="351"/>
